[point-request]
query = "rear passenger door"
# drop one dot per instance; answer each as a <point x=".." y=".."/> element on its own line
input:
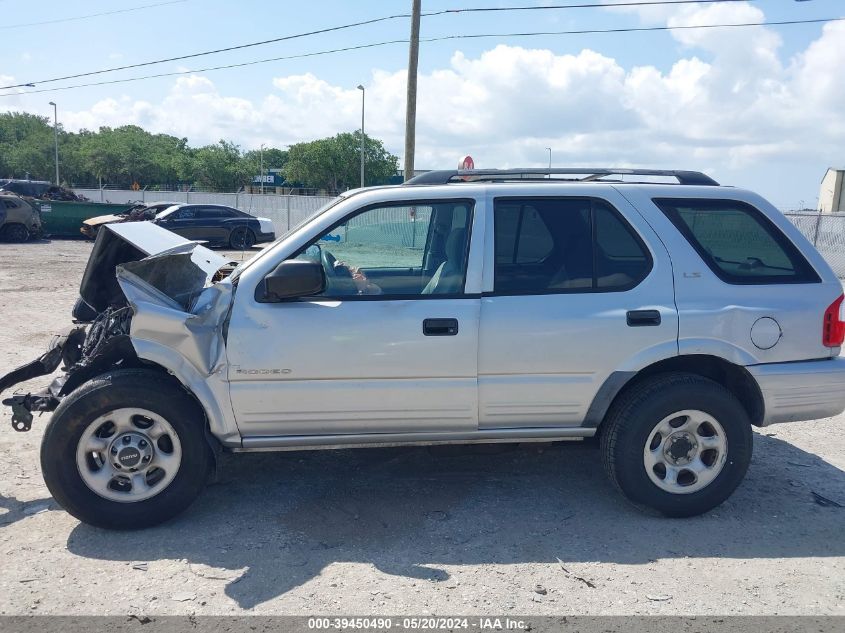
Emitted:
<point x="580" y="293"/>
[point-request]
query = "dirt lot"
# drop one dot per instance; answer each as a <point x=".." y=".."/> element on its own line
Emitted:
<point x="409" y="531"/>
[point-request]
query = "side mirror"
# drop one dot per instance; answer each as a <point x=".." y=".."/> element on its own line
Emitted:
<point x="292" y="279"/>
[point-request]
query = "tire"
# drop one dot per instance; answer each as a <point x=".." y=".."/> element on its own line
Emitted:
<point x="16" y="233"/>
<point x="67" y="465"/>
<point x="241" y="238"/>
<point x="633" y="447"/>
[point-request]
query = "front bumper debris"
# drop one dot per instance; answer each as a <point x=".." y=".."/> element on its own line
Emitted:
<point x="66" y="347"/>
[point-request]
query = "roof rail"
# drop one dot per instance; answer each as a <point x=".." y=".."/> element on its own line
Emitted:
<point x="588" y="174"/>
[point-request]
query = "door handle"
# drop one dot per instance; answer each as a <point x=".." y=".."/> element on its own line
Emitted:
<point x="641" y="318"/>
<point x="440" y="327"/>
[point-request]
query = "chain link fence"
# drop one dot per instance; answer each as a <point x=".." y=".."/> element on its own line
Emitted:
<point x="826" y="232"/>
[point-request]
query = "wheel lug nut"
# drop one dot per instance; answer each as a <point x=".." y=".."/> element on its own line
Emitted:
<point x="114" y="450"/>
<point x="145" y="459"/>
<point x="142" y="444"/>
<point x="126" y="439"/>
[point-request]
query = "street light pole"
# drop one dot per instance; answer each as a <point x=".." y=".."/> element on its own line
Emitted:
<point x="261" y="171"/>
<point x="550" y="157"/>
<point x="56" y="134"/>
<point x="363" y="95"/>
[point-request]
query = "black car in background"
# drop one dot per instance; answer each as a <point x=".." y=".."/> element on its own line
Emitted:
<point x="216" y="224"/>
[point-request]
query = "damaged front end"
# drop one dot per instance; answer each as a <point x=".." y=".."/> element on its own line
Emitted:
<point x="142" y="284"/>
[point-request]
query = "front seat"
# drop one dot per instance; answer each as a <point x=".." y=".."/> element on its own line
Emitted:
<point x="448" y="277"/>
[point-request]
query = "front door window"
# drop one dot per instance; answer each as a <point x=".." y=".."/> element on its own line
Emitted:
<point x="396" y="251"/>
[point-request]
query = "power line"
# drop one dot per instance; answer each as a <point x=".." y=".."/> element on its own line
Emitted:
<point x="592" y="5"/>
<point x="91" y="15"/>
<point x="209" y="69"/>
<point x="430" y="39"/>
<point x="632" y="29"/>
<point x="212" y="52"/>
<point x="354" y="25"/>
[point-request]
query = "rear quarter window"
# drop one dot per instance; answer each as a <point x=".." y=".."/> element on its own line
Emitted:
<point x="737" y="241"/>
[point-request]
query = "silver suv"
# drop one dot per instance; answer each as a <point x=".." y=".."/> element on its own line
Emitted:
<point x="479" y="306"/>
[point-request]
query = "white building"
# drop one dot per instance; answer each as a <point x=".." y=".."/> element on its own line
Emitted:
<point x="832" y="192"/>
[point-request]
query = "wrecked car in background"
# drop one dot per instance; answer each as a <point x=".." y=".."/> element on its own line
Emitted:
<point x="28" y="188"/>
<point x="40" y="190"/>
<point x="19" y="220"/>
<point x="139" y="213"/>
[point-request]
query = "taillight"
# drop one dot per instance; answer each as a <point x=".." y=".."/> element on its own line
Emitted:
<point x="833" y="327"/>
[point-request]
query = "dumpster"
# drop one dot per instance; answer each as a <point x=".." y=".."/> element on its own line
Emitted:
<point x="64" y="219"/>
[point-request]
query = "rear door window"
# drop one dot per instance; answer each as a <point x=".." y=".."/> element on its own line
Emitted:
<point x="550" y="245"/>
<point x="737" y="242"/>
<point x="621" y="260"/>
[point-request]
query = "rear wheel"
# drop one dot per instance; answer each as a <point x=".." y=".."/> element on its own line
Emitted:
<point x="126" y="450"/>
<point x="241" y="238"/>
<point x="677" y="443"/>
<point x="16" y="233"/>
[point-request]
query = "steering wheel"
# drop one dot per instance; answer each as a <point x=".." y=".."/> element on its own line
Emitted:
<point x="338" y="278"/>
<point x="328" y="260"/>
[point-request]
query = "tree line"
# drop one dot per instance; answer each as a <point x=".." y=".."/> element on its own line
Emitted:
<point x="129" y="154"/>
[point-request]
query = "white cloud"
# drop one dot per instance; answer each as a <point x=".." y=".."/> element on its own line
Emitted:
<point x="730" y="104"/>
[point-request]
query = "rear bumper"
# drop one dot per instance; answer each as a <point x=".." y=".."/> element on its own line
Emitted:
<point x="806" y="390"/>
<point x="265" y="237"/>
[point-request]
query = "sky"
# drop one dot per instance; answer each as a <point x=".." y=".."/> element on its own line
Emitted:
<point x="759" y="107"/>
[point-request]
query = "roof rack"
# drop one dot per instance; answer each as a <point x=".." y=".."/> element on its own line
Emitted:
<point x="587" y="174"/>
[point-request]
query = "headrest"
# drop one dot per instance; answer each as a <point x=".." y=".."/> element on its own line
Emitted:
<point x="455" y="245"/>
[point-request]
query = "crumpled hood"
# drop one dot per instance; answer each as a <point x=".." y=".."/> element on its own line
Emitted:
<point x="181" y="277"/>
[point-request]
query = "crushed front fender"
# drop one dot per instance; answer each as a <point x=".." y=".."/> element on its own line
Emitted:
<point x="180" y="327"/>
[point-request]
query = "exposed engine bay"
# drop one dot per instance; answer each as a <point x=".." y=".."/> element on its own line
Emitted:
<point x="148" y="262"/>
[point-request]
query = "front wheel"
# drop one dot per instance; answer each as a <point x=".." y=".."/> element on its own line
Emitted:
<point x="677" y="443"/>
<point x="126" y="450"/>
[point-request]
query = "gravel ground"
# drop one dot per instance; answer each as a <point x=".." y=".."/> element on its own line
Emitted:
<point x="528" y="530"/>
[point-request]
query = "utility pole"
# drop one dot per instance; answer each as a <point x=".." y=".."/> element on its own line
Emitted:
<point x="363" y="94"/>
<point x="411" y="110"/>
<point x="56" y="134"/>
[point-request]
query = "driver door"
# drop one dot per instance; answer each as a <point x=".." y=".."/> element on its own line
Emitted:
<point x="390" y="346"/>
